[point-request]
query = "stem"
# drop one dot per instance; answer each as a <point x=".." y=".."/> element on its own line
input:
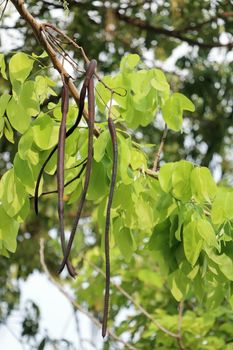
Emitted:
<point x="157" y="157"/>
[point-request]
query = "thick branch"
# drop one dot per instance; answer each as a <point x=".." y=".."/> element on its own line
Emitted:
<point x="37" y="29"/>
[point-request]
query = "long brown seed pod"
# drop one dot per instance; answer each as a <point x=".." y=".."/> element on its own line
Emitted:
<point x="89" y="83"/>
<point x="68" y="133"/>
<point x="60" y="171"/>
<point x="112" y="130"/>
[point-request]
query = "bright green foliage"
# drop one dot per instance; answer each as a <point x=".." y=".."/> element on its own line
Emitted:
<point x="8" y="232"/>
<point x="20" y="67"/>
<point x="173" y="110"/>
<point x="177" y="218"/>
<point x="13" y="199"/>
<point x="203" y="185"/>
<point x="45" y="133"/>
<point x="147" y="92"/>
<point x="222" y="209"/>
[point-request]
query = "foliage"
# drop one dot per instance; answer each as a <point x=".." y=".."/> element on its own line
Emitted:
<point x="108" y="30"/>
<point x="177" y="219"/>
<point x="171" y="239"/>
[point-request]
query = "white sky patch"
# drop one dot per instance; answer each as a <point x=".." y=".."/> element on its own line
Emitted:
<point x="57" y="316"/>
<point x="169" y="64"/>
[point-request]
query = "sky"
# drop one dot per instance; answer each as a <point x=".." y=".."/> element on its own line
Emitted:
<point x="57" y="316"/>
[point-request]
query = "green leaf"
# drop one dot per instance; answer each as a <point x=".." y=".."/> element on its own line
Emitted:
<point x="2" y="122"/>
<point x="25" y="144"/>
<point x="18" y="116"/>
<point x="103" y="95"/>
<point x="160" y="236"/>
<point x="181" y="180"/>
<point x="172" y="110"/>
<point x="42" y="55"/>
<point x="172" y="113"/>
<point x="124" y="193"/>
<point x="224" y="263"/>
<point x="144" y="212"/>
<point x="138" y="160"/>
<point x="24" y="211"/>
<point x="159" y="82"/>
<point x="100" y="145"/>
<point x="185" y="102"/>
<point x="203" y="185"/>
<point x="8" y="230"/>
<point x="222" y="208"/>
<point x="181" y="218"/>
<point x="206" y="231"/>
<point x="125" y="242"/>
<point x="28" y="99"/>
<point x="8" y="131"/>
<point x="20" y="67"/>
<point x="45" y="132"/>
<point x="13" y="199"/>
<point x="3" y="66"/>
<point x="179" y="285"/>
<point x="24" y="173"/>
<point x="124" y="160"/>
<point x="98" y="186"/>
<point x="129" y="62"/>
<point x="4" y="99"/>
<point x="41" y="88"/>
<point x="150" y="278"/>
<point x="192" y="242"/>
<point x="165" y="176"/>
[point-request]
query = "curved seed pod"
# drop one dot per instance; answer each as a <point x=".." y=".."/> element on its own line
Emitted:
<point x="112" y="130"/>
<point x="68" y="133"/>
<point x="89" y="83"/>
<point x="60" y="171"/>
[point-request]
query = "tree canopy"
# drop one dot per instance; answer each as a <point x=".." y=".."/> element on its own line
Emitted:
<point x="171" y="223"/>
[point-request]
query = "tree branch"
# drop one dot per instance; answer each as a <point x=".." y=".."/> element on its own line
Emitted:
<point x="136" y="22"/>
<point x="37" y="28"/>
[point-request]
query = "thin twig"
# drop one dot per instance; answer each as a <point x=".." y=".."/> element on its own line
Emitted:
<point x="138" y="306"/>
<point x="74" y="303"/>
<point x="86" y="59"/>
<point x="157" y="157"/>
<point x="83" y="163"/>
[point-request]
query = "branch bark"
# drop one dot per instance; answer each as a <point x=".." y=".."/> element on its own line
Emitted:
<point x="37" y="28"/>
<point x="176" y="34"/>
